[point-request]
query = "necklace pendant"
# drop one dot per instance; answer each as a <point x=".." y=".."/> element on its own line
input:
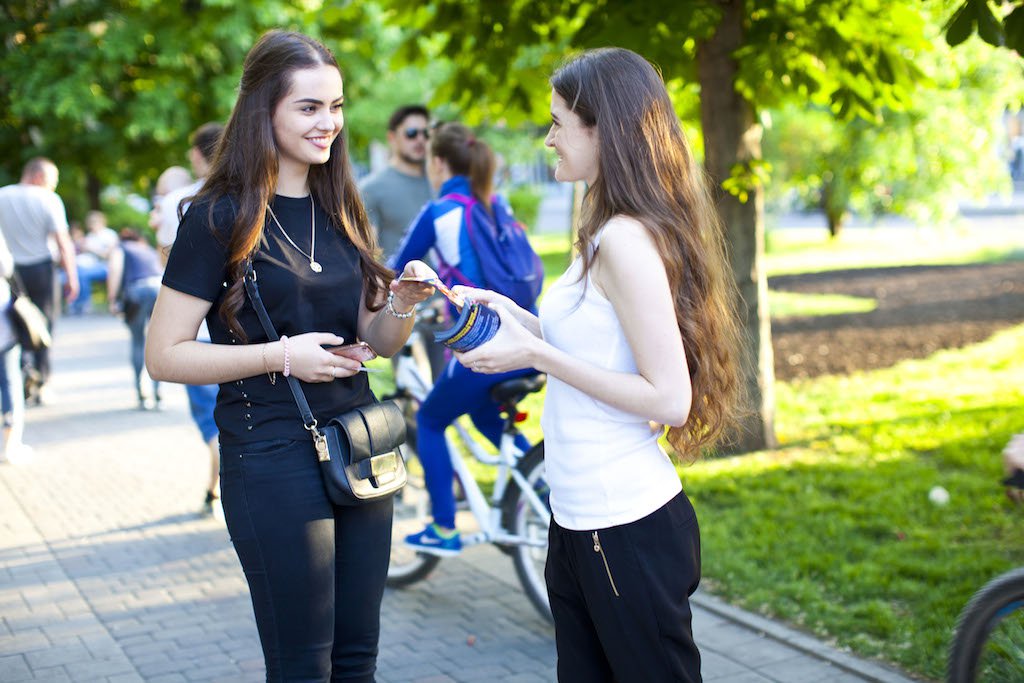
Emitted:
<point x="315" y="267"/>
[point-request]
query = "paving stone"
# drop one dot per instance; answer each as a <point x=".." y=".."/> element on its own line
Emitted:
<point x="107" y="574"/>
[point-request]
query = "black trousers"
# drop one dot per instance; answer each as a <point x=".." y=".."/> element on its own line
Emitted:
<point x="620" y="598"/>
<point x="316" y="572"/>
<point x="39" y="282"/>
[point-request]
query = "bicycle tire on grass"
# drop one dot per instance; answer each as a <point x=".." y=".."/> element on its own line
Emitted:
<point x="988" y="644"/>
<point x="519" y="517"/>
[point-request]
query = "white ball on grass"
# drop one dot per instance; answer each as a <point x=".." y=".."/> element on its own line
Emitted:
<point x="938" y="495"/>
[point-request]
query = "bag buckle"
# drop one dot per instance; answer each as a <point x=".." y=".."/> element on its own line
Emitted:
<point x="323" y="453"/>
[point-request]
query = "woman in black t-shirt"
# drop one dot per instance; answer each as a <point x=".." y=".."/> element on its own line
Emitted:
<point x="281" y="193"/>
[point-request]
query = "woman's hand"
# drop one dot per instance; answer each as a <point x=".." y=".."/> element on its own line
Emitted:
<point x="309" y="361"/>
<point x="408" y="289"/>
<point x="485" y="296"/>
<point x="512" y="348"/>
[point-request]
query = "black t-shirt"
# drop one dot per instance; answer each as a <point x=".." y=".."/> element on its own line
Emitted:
<point x="298" y="300"/>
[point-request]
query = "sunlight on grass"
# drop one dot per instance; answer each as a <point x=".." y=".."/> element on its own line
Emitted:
<point x="803" y="250"/>
<point x="834" y="530"/>
<point x="794" y="304"/>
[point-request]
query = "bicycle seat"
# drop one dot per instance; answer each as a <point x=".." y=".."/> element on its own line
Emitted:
<point x="513" y="390"/>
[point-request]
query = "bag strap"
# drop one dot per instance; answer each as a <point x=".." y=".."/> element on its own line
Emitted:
<point x="17" y="286"/>
<point x="467" y="205"/>
<point x="308" y="421"/>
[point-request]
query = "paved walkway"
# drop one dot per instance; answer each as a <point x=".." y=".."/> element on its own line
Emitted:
<point x="107" y="574"/>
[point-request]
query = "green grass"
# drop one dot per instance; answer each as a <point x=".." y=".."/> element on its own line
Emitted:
<point x="805" y="250"/>
<point x="834" y="531"/>
<point x="788" y="304"/>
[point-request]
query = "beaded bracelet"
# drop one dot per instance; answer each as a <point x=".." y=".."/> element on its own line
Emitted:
<point x="266" y="366"/>
<point x="287" y="359"/>
<point x="392" y="311"/>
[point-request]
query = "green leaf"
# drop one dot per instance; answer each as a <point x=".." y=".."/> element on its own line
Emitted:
<point x="1013" y="27"/>
<point x="961" y="25"/>
<point x="989" y="28"/>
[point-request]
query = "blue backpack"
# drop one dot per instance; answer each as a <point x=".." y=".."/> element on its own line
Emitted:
<point x="509" y="264"/>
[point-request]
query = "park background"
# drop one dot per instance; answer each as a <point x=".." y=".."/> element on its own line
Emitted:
<point x="866" y="171"/>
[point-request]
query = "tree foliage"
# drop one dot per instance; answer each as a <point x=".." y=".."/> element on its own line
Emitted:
<point x="855" y="57"/>
<point x="999" y="23"/>
<point x="111" y="89"/>
<point x="944" y="146"/>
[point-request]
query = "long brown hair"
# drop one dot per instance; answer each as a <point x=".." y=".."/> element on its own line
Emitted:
<point x="646" y="171"/>
<point x="466" y="155"/>
<point x="245" y="167"/>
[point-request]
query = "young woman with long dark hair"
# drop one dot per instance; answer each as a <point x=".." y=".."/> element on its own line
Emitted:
<point x="641" y="329"/>
<point x="281" y="194"/>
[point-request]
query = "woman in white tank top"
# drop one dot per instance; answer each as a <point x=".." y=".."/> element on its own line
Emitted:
<point x="640" y="332"/>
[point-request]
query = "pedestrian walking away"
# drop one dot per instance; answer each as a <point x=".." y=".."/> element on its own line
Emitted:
<point x="280" y="196"/>
<point x="35" y="226"/>
<point x="641" y="329"/>
<point x="168" y="208"/>
<point x="133" y="282"/>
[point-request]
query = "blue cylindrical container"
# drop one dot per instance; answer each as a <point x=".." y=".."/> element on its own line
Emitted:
<point x="476" y="324"/>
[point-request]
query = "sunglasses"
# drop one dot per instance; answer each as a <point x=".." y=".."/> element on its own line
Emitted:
<point x="411" y="133"/>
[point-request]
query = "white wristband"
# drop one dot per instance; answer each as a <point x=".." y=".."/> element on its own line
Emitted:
<point x="392" y="311"/>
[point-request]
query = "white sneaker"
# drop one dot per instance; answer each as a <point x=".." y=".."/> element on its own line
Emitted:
<point x="19" y="454"/>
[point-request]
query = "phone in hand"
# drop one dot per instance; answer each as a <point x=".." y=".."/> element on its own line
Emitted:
<point x="360" y="351"/>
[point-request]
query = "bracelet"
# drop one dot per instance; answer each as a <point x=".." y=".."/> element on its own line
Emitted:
<point x="287" y="360"/>
<point x="392" y="311"/>
<point x="266" y="366"/>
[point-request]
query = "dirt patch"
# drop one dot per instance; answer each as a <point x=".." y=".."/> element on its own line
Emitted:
<point x="921" y="309"/>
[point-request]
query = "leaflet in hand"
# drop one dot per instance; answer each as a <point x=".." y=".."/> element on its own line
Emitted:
<point x="439" y="286"/>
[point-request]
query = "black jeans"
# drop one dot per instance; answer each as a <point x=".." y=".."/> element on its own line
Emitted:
<point x="38" y="279"/>
<point x="620" y="599"/>
<point x="316" y="572"/>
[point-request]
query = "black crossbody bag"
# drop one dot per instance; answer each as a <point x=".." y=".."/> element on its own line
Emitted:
<point x="358" y="450"/>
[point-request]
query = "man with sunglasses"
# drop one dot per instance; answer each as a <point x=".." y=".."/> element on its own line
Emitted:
<point x="394" y="195"/>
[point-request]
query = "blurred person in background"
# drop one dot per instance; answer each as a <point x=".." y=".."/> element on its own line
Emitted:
<point x="394" y="195"/>
<point x="200" y="155"/>
<point x="94" y="249"/>
<point x="174" y="184"/>
<point x="12" y="399"/>
<point x="35" y="226"/>
<point x="133" y="282"/>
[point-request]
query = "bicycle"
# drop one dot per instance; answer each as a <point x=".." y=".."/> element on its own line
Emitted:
<point x="517" y="515"/>
<point x="988" y="643"/>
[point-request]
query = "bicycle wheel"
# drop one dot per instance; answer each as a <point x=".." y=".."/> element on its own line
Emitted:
<point x="412" y="513"/>
<point x="988" y="644"/>
<point x="519" y="517"/>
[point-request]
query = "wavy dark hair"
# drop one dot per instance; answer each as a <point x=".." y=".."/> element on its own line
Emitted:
<point x="646" y="171"/>
<point x="245" y="168"/>
<point x="466" y="155"/>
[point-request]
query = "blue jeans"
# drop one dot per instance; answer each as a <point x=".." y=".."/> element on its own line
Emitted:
<point x="87" y="275"/>
<point x="139" y="299"/>
<point x="12" y="398"/>
<point x="202" y="399"/>
<point x="458" y="391"/>
<point x="316" y="571"/>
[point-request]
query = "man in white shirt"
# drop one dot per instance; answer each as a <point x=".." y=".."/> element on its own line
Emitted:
<point x="98" y="243"/>
<point x="200" y="155"/>
<point x="35" y="225"/>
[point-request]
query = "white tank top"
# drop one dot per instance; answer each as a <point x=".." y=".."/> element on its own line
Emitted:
<point x="604" y="465"/>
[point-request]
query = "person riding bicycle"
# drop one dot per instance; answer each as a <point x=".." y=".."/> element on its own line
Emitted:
<point x="457" y="164"/>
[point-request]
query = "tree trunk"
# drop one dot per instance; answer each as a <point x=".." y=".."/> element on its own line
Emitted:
<point x="733" y="136"/>
<point x="835" y="215"/>
<point x="92" y="191"/>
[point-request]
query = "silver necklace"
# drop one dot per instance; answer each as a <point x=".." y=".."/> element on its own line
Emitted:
<point x="313" y="265"/>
